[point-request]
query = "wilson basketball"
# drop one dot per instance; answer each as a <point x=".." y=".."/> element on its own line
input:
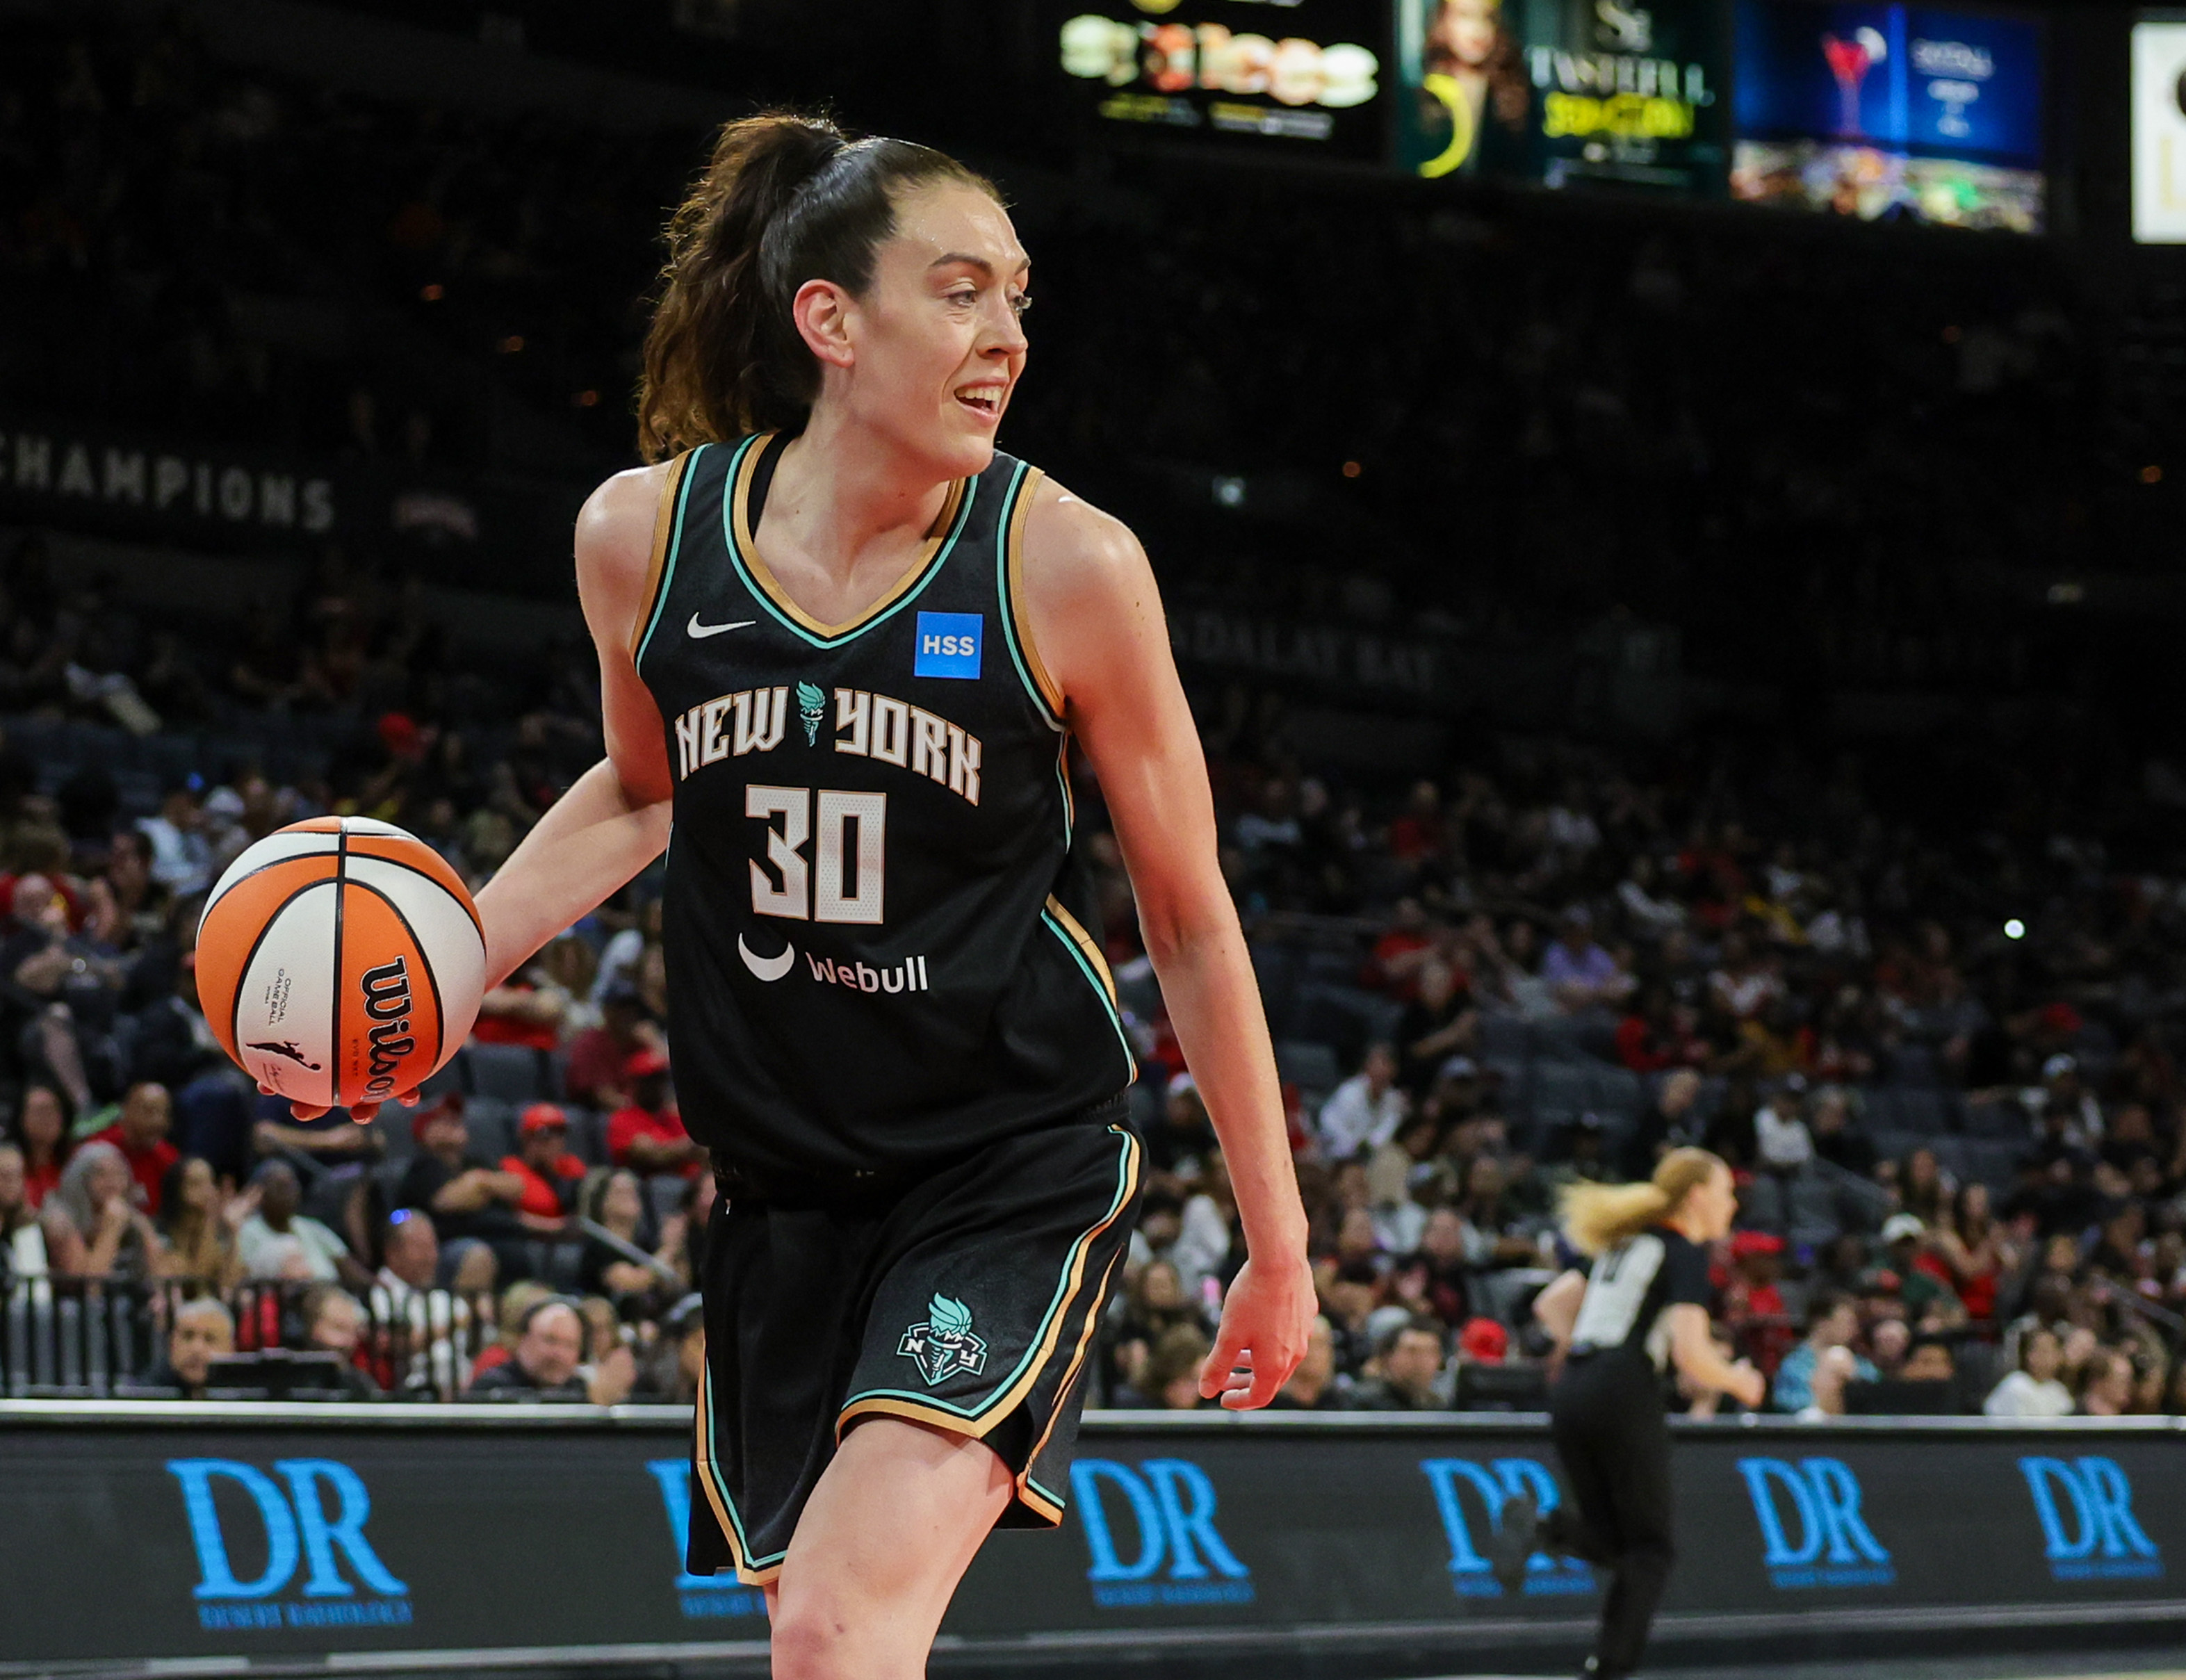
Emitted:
<point x="340" y="960"/>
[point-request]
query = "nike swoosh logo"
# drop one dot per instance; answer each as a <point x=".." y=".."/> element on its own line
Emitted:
<point x="699" y="632"/>
<point x="765" y="968"/>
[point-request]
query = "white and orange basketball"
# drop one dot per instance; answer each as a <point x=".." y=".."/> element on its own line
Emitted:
<point x="340" y="960"/>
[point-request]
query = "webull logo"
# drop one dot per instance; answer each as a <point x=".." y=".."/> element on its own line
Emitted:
<point x="703" y="1597"/>
<point x="2085" y="1508"/>
<point x="1492" y="1484"/>
<point x="1817" y="1500"/>
<point x="311" y="1519"/>
<point x="1171" y="1505"/>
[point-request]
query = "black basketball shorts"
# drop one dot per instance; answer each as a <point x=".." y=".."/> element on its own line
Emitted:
<point x="967" y="1299"/>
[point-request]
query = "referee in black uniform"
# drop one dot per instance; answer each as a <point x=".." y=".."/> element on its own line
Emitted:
<point x="1643" y="1306"/>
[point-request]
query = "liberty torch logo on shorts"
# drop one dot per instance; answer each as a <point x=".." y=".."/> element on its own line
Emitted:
<point x="944" y="1345"/>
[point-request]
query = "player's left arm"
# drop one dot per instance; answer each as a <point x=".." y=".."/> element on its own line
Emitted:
<point x="1095" y="619"/>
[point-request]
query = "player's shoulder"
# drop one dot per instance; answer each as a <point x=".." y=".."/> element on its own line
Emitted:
<point x="1070" y="542"/>
<point x="619" y="513"/>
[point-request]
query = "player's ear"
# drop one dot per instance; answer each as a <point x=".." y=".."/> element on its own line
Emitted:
<point x="823" y="312"/>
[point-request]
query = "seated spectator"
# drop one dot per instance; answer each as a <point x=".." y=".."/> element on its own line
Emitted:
<point x="1668" y="1122"/>
<point x="276" y="1242"/>
<point x="140" y="1133"/>
<point x="1921" y="1274"/>
<point x="312" y="1147"/>
<point x="199" y="1226"/>
<point x="202" y="1331"/>
<point x="2108" y="1392"/>
<point x="41" y="1128"/>
<point x="1888" y="1341"/>
<point x="599" y="1056"/>
<point x="1438" y="1022"/>
<point x="527" y="1009"/>
<point x="647" y="1136"/>
<point x="92" y="1230"/>
<point x="550" y="1176"/>
<point x="471" y="1200"/>
<point x="1312" y="1387"/>
<point x="671" y="1375"/>
<point x="1836" y="1140"/>
<point x="1185" y="1137"/>
<point x="426" y="1322"/>
<point x="1782" y="1144"/>
<point x="1834" y="1370"/>
<point x="1168" y="1380"/>
<point x="1406" y="1371"/>
<point x="1929" y="1360"/>
<point x="548" y="1362"/>
<point x="333" y="1323"/>
<point x="613" y="1200"/>
<point x="1978" y="1250"/>
<point x="22" y="1239"/>
<point x="1580" y="975"/>
<point x="1491" y="1234"/>
<point x="2032" y="1391"/>
<point x="1832" y="1322"/>
<point x="1365" y="1110"/>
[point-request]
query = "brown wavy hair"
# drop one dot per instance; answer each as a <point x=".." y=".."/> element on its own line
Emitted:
<point x="786" y="198"/>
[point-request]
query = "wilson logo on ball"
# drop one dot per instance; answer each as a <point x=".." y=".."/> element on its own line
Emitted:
<point x="387" y="1001"/>
<point x="340" y="961"/>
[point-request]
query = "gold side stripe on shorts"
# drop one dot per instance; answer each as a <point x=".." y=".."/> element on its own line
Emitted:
<point x="664" y="529"/>
<point x="1025" y="1490"/>
<point x="1001" y="1406"/>
<point x="717" y="1497"/>
<point x="1085" y="941"/>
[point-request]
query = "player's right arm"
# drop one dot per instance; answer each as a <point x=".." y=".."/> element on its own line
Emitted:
<point x="613" y="820"/>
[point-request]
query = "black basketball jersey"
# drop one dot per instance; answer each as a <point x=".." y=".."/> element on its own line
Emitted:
<point x="879" y="950"/>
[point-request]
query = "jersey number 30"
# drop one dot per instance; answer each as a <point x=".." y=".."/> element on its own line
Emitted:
<point x="848" y="875"/>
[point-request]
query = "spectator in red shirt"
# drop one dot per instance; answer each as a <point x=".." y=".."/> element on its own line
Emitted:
<point x="551" y="1175"/>
<point x="42" y="1128"/>
<point x="648" y="1136"/>
<point x="599" y="1056"/>
<point x="141" y="1136"/>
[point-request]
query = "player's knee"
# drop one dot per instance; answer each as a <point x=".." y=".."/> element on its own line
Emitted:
<point x="811" y="1640"/>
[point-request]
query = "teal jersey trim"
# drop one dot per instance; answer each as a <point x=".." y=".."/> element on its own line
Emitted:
<point x="1125" y="1173"/>
<point x="758" y="592"/>
<point x="675" y="547"/>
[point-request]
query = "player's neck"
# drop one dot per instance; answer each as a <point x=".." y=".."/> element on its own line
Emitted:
<point x="840" y="492"/>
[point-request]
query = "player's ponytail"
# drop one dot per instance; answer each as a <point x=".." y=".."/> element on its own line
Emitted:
<point x="1597" y="1218"/>
<point x="785" y="198"/>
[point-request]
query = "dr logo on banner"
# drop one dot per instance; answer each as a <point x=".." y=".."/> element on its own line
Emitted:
<point x="1811" y="1526"/>
<point x="296" y="1530"/>
<point x="2085" y="1508"/>
<point x="1171" y="1503"/>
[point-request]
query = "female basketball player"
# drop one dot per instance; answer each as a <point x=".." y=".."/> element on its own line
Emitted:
<point x="847" y="645"/>
<point x="1644" y="1303"/>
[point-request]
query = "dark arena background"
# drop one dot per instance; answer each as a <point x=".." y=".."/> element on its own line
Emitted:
<point x="1669" y="516"/>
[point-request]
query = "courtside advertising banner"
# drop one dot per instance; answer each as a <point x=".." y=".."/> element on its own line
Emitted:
<point x="133" y="1542"/>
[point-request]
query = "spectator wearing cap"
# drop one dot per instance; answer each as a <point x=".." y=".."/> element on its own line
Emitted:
<point x="467" y="1194"/>
<point x="1923" y="1275"/>
<point x="599" y="1056"/>
<point x="1405" y="1373"/>
<point x="2062" y="1090"/>
<point x="648" y="1134"/>
<point x="1579" y="974"/>
<point x="1832" y="1322"/>
<point x="548" y="1175"/>
<point x="1364" y="1110"/>
<point x="140" y="1133"/>
<point x="1752" y="1303"/>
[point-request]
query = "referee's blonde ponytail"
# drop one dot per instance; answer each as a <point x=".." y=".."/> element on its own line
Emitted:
<point x="1597" y="1218"/>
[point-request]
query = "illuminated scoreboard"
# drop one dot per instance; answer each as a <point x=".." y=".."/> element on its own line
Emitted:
<point x="1307" y="76"/>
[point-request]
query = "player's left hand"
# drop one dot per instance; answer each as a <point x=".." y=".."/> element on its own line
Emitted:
<point x="1267" y="1320"/>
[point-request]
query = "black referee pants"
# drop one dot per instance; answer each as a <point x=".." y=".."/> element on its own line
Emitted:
<point x="1607" y="1413"/>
